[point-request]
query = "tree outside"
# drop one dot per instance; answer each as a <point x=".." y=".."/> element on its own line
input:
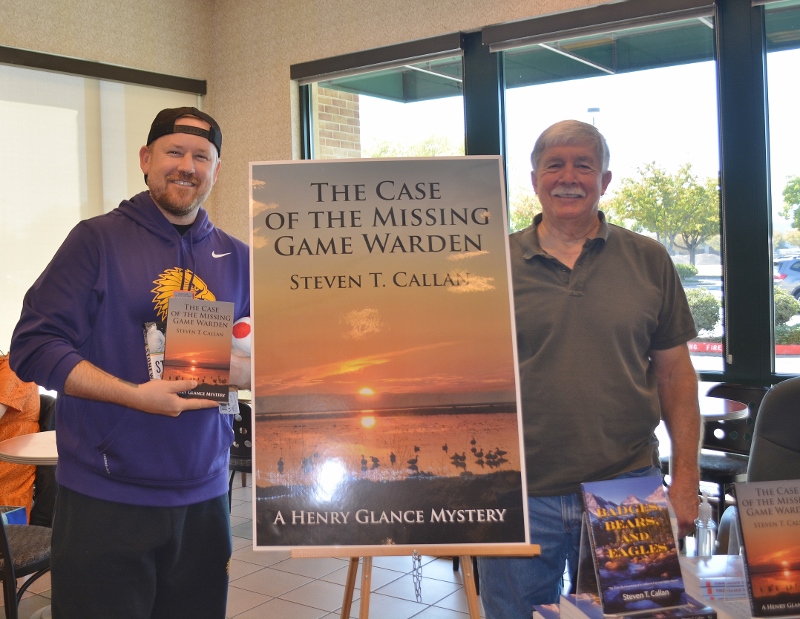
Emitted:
<point x="680" y="209"/>
<point x="791" y="201"/>
<point x="523" y="206"/>
<point x="432" y="146"/>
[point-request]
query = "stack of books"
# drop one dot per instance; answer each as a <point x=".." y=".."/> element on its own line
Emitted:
<point x="588" y="607"/>
<point x="720" y="577"/>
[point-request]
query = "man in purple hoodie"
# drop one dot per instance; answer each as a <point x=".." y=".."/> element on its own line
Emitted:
<point x="142" y="526"/>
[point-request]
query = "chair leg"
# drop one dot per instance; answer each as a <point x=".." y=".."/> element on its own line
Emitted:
<point x="230" y="490"/>
<point x="10" y="598"/>
<point x="244" y="479"/>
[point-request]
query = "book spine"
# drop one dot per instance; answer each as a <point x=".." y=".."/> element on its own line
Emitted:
<point x="754" y="610"/>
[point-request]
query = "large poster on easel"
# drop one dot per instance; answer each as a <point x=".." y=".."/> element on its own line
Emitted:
<point x="384" y="386"/>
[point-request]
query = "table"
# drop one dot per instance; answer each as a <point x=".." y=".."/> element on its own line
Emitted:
<point x="38" y="448"/>
<point x="720" y="409"/>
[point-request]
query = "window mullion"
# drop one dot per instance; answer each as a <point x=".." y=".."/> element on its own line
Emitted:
<point x="746" y="220"/>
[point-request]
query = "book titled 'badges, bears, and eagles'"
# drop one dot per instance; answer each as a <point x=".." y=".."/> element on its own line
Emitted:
<point x="769" y="520"/>
<point x="634" y="552"/>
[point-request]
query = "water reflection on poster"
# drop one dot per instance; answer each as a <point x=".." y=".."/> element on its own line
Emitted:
<point x="385" y="393"/>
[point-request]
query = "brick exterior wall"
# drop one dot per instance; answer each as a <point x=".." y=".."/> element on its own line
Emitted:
<point x="337" y="130"/>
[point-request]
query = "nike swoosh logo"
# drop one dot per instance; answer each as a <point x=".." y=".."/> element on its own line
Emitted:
<point x="216" y="255"/>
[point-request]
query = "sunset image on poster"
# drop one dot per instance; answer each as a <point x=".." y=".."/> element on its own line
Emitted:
<point x="385" y="393"/>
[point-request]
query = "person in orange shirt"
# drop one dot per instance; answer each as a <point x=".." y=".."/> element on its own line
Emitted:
<point x="19" y="414"/>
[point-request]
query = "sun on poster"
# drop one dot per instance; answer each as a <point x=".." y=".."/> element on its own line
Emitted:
<point x="384" y="384"/>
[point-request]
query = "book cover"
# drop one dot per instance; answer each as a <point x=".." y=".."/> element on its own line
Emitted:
<point x="198" y="346"/>
<point x="633" y="547"/>
<point x="588" y="607"/>
<point x="154" y="339"/>
<point x="384" y="384"/>
<point x="769" y="520"/>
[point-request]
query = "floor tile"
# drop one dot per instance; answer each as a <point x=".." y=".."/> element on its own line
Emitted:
<point x="244" y="509"/>
<point x="434" y="612"/>
<point x="313" y="568"/>
<point x="271" y="582"/>
<point x="380" y="577"/>
<point x="387" y="607"/>
<point x="239" y="569"/>
<point x="259" y="557"/>
<point x="280" y="609"/>
<point x="398" y="564"/>
<point x="458" y="602"/>
<point x="241" y="600"/>
<point x="442" y="569"/>
<point x="317" y="594"/>
<point x="431" y="590"/>
<point x="244" y="529"/>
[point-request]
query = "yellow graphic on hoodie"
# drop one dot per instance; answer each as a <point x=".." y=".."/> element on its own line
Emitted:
<point x="178" y="279"/>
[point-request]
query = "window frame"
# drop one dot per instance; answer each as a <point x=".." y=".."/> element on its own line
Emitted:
<point x="745" y="217"/>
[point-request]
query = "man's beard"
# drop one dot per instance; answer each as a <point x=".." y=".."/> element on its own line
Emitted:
<point x="177" y="208"/>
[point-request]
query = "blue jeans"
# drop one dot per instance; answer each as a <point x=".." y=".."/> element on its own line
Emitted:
<point x="511" y="586"/>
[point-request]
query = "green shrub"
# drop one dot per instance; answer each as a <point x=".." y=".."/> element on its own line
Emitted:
<point x="784" y="334"/>
<point x="704" y="307"/>
<point x="686" y="271"/>
<point x="786" y="306"/>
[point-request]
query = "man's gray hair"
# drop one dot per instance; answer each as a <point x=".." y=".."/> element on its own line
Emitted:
<point x="571" y="133"/>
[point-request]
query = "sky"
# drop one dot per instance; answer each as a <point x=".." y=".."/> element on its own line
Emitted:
<point x="398" y="320"/>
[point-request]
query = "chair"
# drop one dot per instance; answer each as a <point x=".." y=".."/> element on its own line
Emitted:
<point x="24" y="549"/>
<point x="775" y="453"/>
<point x="775" y="449"/>
<point x="726" y="444"/>
<point x="44" y="484"/>
<point x="242" y="448"/>
<point x="729" y="441"/>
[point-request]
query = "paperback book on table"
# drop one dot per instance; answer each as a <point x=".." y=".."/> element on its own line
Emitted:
<point x="198" y="346"/>
<point x="718" y="577"/>
<point x="585" y="606"/>
<point x="633" y="548"/>
<point x="769" y="520"/>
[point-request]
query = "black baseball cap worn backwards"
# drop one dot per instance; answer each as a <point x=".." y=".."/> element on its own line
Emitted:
<point x="164" y="124"/>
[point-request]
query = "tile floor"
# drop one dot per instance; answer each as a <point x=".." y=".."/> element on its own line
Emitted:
<point x="270" y="584"/>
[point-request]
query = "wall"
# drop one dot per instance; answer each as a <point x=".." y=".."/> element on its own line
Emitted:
<point x="257" y="40"/>
<point x="244" y="48"/>
<point x="152" y="35"/>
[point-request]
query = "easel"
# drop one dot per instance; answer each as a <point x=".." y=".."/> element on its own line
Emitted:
<point x="464" y="552"/>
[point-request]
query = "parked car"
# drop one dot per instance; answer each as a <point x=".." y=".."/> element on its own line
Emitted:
<point x="786" y="274"/>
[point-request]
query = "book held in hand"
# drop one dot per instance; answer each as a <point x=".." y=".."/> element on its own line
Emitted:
<point x="198" y="346"/>
<point x="633" y="548"/>
<point x="769" y="519"/>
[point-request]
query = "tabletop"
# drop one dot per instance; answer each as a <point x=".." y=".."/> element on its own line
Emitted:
<point x="38" y="448"/>
<point x="720" y="409"/>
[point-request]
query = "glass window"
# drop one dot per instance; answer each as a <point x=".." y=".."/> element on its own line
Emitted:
<point x="72" y="153"/>
<point x="782" y="22"/>
<point x="415" y="110"/>
<point x="651" y="91"/>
